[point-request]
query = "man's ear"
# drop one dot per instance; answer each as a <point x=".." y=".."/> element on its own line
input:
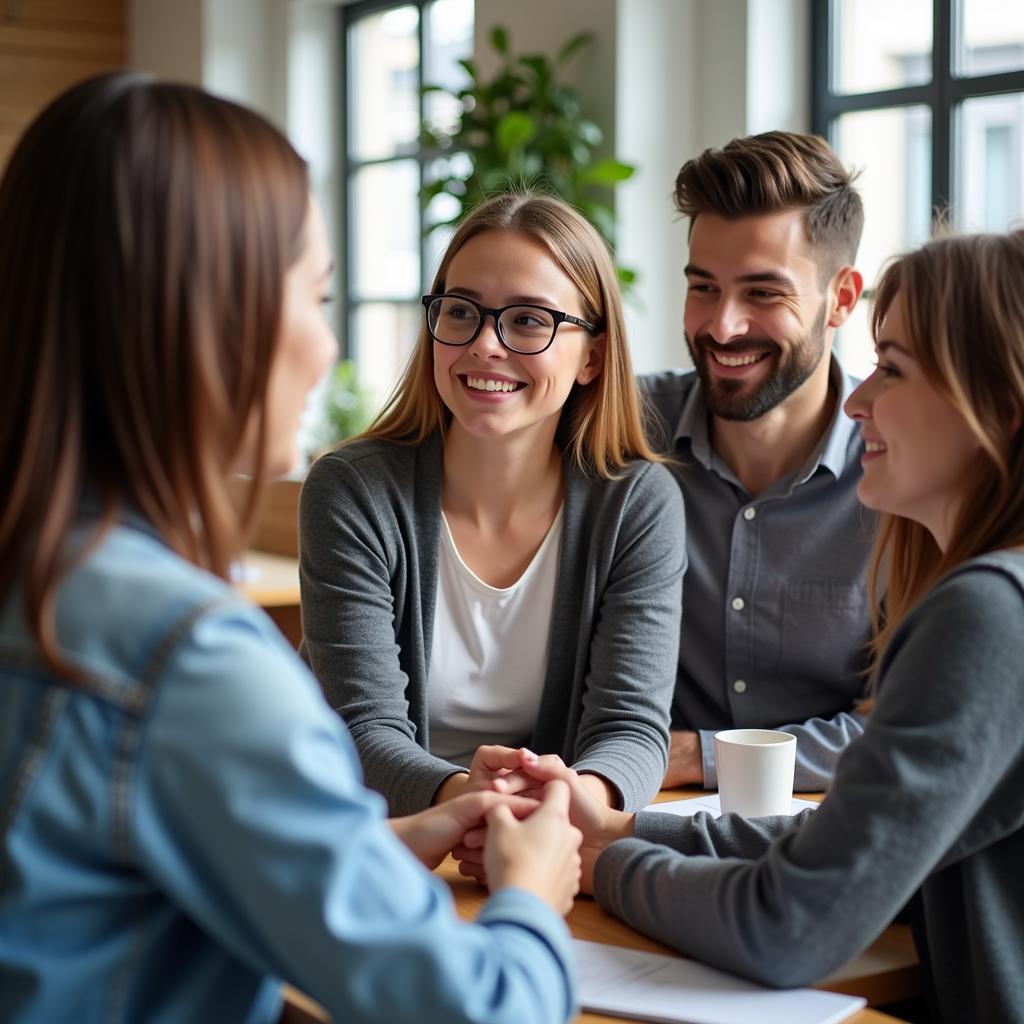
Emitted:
<point x="594" y="363"/>
<point x="843" y="292"/>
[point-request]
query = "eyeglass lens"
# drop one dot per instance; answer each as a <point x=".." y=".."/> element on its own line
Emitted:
<point x="523" y="328"/>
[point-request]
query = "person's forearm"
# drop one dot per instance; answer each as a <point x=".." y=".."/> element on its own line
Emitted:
<point x="684" y="761"/>
<point x="819" y="744"/>
<point x="451" y="788"/>
<point x="601" y="789"/>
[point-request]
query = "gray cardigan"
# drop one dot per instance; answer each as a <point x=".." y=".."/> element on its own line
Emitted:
<point x="927" y="804"/>
<point x="370" y="517"/>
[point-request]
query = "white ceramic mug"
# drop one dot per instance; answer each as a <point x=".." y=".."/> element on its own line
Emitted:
<point x="755" y="771"/>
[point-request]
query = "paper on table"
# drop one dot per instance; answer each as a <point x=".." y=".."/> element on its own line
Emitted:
<point x="712" y="806"/>
<point x="647" y="986"/>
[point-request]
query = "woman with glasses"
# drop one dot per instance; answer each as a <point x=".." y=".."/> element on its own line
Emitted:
<point x="497" y="562"/>
<point x="182" y="822"/>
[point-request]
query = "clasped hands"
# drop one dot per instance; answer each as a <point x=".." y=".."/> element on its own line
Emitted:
<point x="509" y="788"/>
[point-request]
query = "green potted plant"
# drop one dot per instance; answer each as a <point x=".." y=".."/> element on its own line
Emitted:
<point x="347" y="406"/>
<point x="524" y="126"/>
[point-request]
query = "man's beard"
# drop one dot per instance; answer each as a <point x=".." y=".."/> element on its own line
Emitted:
<point x="727" y="399"/>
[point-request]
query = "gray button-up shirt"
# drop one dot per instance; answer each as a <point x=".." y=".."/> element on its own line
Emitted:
<point x="776" y="620"/>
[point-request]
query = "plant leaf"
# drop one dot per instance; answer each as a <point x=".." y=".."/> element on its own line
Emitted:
<point x="589" y="132"/>
<point x="540" y="66"/>
<point x="495" y="180"/>
<point x="499" y="39"/>
<point x="515" y="130"/>
<point x="573" y="45"/>
<point x="608" y="172"/>
<point x="521" y="124"/>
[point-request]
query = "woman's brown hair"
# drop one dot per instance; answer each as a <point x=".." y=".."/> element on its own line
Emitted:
<point x="602" y="425"/>
<point x="964" y="305"/>
<point x="145" y="232"/>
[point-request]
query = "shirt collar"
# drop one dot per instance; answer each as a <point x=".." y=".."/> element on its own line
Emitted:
<point x="693" y="425"/>
<point x="833" y="452"/>
<point x="830" y="452"/>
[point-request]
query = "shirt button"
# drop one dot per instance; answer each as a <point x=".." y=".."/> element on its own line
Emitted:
<point x="749" y="513"/>
<point x="740" y="686"/>
<point x="738" y="604"/>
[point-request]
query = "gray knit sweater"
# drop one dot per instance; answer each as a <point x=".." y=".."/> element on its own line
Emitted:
<point x="370" y="518"/>
<point x="927" y="805"/>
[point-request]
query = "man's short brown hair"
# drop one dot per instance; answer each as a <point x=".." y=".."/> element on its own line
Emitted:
<point x="773" y="172"/>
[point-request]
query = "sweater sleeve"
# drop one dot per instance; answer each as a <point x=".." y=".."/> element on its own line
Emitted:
<point x="634" y="648"/>
<point x="351" y="547"/>
<point x="932" y="780"/>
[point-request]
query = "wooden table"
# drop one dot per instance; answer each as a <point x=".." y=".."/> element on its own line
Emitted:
<point x="272" y="582"/>
<point x="886" y="972"/>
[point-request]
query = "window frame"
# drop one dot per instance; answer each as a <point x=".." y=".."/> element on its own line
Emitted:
<point x="351" y="301"/>
<point x="943" y="95"/>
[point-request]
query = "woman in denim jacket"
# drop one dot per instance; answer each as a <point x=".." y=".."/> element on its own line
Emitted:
<point x="182" y="821"/>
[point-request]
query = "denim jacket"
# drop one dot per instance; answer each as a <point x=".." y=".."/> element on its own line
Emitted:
<point x="188" y="828"/>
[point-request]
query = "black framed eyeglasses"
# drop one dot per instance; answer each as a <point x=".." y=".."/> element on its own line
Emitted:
<point x="522" y="328"/>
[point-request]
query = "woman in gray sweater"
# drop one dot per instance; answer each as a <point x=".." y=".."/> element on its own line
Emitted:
<point x="498" y="560"/>
<point x="927" y="807"/>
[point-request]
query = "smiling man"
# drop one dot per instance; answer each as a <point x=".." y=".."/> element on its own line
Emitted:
<point x="776" y="618"/>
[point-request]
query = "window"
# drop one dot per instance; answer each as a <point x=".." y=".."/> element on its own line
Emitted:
<point x="391" y="51"/>
<point x="926" y="98"/>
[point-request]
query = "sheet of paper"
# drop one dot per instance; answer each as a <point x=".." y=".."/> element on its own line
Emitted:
<point x="710" y="804"/>
<point x="646" y="986"/>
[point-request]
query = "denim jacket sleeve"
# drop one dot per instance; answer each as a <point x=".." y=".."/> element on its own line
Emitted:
<point x="247" y="808"/>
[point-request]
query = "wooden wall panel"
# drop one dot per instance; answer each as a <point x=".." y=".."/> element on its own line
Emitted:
<point x="48" y="45"/>
<point x="107" y="13"/>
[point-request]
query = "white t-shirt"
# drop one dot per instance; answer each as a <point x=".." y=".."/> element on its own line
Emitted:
<point x="489" y="653"/>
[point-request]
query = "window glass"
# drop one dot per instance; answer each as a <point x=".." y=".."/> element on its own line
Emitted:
<point x="880" y="44"/>
<point x="992" y="36"/>
<point x="442" y="210"/>
<point x="448" y="39"/>
<point x="390" y="258"/>
<point x="384" y="218"/>
<point x="385" y="334"/>
<point x="878" y="104"/>
<point x="891" y="148"/>
<point x="383" y="83"/>
<point x="989" y="159"/>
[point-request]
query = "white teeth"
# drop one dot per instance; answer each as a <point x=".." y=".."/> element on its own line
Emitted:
<point x="874" y="446"/>
<point x="737" y="360"/>
<point x="480" y="384"/>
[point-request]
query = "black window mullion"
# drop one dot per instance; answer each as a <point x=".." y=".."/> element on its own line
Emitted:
<point x="347" y="310"/>
<point x="421" y="162"/>
<point x="962" y="88"/>
<point x="942" y="108"/>
<point x="822" y="60"/>
<point x="904" y="96"/>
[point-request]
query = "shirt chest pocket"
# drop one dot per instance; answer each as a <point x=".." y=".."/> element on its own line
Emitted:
<point x="823" y="642"/>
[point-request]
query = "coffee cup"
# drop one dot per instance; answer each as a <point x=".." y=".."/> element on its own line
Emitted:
<point x="755" y="771"/>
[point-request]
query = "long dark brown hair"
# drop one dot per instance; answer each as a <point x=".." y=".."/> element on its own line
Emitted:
<point x="963" y="298"/>
<point x="145" y="232"/>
